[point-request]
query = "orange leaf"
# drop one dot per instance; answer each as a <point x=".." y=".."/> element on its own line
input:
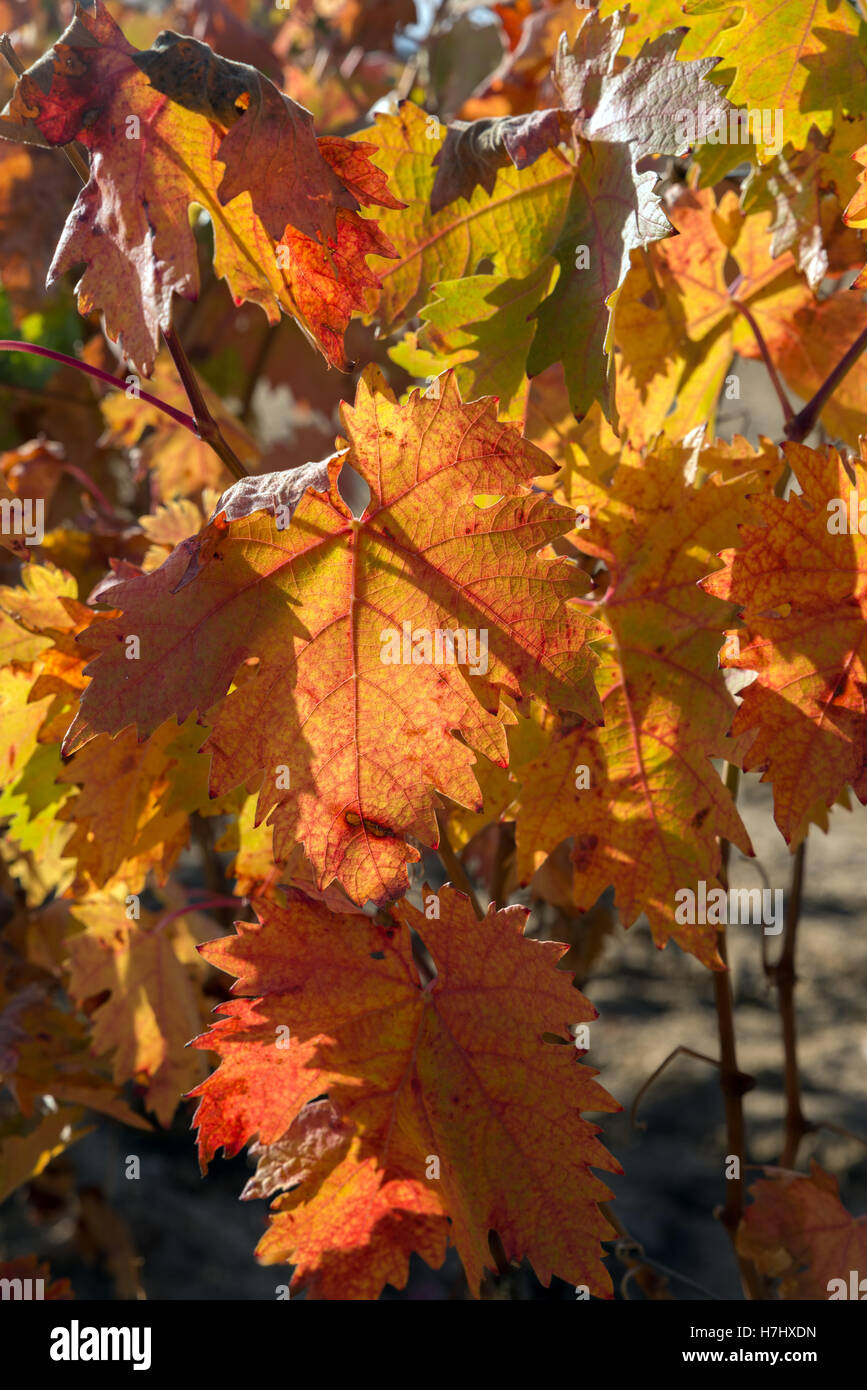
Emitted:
<point x="797" y="1229"/>
<point x="153" y="158"/>
<point x="641" y="796"/>
<point x="148" y="970"/>
<point x="802" y="589"/>
<point x="358" y="1233"/>
<point x="459" y="1070"/>
<point x="354" y="703"/>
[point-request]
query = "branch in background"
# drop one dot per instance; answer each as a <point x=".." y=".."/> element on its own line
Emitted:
<point x="733" y="1082"/>
<point x="800" y="425"/>
<point x="10" y="345"/>
<point x="503" y="860"/>
<point x="206" y="426"/>
<point x="782" y="974"/>
<point x="408" y="77"/>
<point x="235" y="905"/>
<point x="218" y="884"/>
<point x="642" y="1090"/>
<point x="454" y="868"/>
<point x="266" y="343"/>
<point x="788" y="413"/>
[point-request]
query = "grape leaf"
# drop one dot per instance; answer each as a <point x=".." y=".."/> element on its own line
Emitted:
<point x="459" y="1069"/>
<point x="515" y="227"/>
<point x="473" y="152"/>
<point x="796" y="1229"/>
<point x="153" y="158"/>
<point x="360" y="1230"/>
<point x="806" y="190"/>
<point x="26" y="1151"/>
<point x="646" y="811"/>
<point x="481" y="325"/>
<point x="801" y="588"/>
<point x="855" y="214"/>
<point x="616" y="117"/>
<point x="805" y="59"/>
<point x="270" y="149"/>
<point x="44" y="1050"/>
<point x="361" y="736"/>
<point x="639" y="105"/>
<point x="149" y="971"/>
<point x="122" y="823"/>
<point x="612" y="209"/>
<point x="681" y="348"/>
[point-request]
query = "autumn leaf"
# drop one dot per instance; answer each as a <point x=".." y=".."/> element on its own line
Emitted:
<point x="122" y="818"/>
<point x="855" y="214"/>
<point x="154" y="158"/>
<point x="640" y="797"/>
<point x="459" y="1069"/>
<point x="639" y="105"/>
<point x="473" y="152"/>
<point x="522" y="81"/>
<point x="807" y="190"/>
<point x="44" y="1050"/>
<point x="270" y="149"/>
<point x="27" y="1149"/>
<point x="482" y="326"/>
<point x="148" y="970"/>
<point x="797" y="1230"/>
<point x="677" y="323"/>
<point x="22" y="720"/>
<point x="515" y="228"/>
<point x="255" y="872"/>
<point x="612" y="210"/>
<point x="29" y="609"/>
<point x="358" y="1233"/>
<point x="804" y="61"/>
<point x="353" y="738"/>
<point x="798" y="578"/>
<point x="170" y="524"/>
<point x="616" y="117"/>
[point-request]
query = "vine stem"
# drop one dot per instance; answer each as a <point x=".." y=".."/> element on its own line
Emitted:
<point x="800" y="425"/>
<point x="203" y="423"/>
<point x="782" y="973"/>
<point x="9" y="345"/>
<point x="785" y="405"/>
<point x="202" y="905"/>
<point x="457" y="872"/>
<point x="733" y="1082"/>
<point x="679" y="1051"/>
<point x="206" y="426"/>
